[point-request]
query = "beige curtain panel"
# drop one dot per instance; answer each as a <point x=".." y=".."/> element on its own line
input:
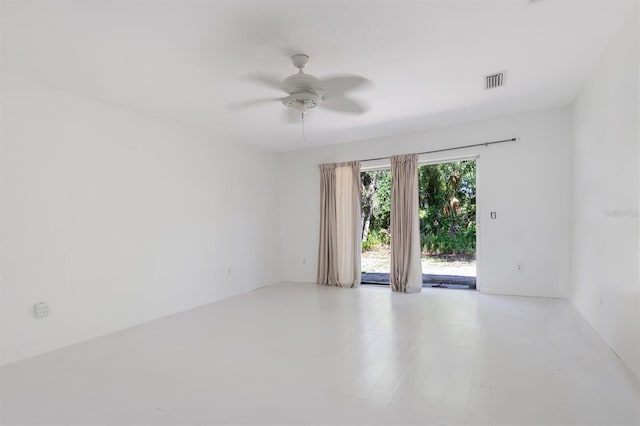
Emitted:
<point x="339" y="245"/>
<point x="406" y="268"/>
<point x="327" y="250"/>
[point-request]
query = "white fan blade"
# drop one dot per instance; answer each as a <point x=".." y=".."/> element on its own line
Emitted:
<point x="338" y="84"/>
<point x="341" y="104"/>
<point x="250" y="103"/>
<point x="267" y="80"/>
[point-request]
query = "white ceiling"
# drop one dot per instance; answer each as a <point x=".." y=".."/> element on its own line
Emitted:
<point x="184" y="60"/>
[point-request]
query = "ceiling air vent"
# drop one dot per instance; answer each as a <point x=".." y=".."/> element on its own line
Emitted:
<point x="492" y="81"/>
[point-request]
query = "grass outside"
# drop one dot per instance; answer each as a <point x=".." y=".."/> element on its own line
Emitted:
<point x="379" y="261"/>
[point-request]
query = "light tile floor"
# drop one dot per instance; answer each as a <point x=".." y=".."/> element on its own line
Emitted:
<point x="300" y="354"/>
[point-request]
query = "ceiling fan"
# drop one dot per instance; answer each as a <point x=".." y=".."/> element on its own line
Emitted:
<point x="306" y="92"/>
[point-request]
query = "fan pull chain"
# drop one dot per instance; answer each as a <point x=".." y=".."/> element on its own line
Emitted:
<point x="304" y="138"/>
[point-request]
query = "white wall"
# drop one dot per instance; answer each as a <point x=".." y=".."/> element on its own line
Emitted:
<point x="527" y="183"/>
<point x="605" y="265"/>
<point x="115" y="218"/>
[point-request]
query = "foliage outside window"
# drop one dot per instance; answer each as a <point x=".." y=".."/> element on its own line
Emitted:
<point x="447" y="197"/>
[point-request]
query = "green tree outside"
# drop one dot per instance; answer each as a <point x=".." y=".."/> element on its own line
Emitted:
<point x="447" y="197"/>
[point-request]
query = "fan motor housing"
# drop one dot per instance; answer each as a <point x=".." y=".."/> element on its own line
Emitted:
<point x="301" y="101"/>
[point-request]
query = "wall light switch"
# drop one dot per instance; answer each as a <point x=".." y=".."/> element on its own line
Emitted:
<point x="493" y="215"/>
<point x="41" y="309"/>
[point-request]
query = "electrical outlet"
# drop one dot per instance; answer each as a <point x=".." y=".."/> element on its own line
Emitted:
<point x="41" y="309"/>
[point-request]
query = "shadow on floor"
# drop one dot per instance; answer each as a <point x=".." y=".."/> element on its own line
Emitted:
<point x="428" y="280"/>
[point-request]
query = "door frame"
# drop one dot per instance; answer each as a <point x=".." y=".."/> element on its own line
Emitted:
<point x="427" y="160"/>
<point x="430" y="159"/>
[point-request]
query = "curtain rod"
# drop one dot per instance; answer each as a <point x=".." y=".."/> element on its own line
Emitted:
<point x="452" y="149"/>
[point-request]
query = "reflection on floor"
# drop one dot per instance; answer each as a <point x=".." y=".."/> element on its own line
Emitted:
<point x="302" y="354"/>
<point x="428" y="280"/>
